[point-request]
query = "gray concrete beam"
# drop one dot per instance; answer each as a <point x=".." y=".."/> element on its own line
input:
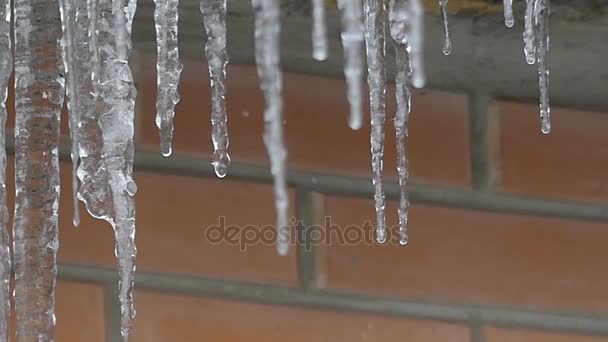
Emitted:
<point x="486" y="55"/>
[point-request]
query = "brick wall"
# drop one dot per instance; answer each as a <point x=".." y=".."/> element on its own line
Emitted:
<point x="507" y="241"/>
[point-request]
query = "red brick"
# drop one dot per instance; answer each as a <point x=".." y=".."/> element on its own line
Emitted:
<point x="473" y="257"/>
<point x="172" y="213"/>
<point x="510" y="335"/>
<point x="175" y="318"/>
<point x="571" y="162"/>
<point x="317" y="134"/>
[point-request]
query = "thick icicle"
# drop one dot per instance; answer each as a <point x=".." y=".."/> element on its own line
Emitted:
<point x="529" y="34"/>
<point x="541" y="23"/>
<point x="401" y="35"/>
<point x="352" y="43"/>
<point x="508" y="11"/>
<point x="214" y="20"/>
<point x="107" y="146"/>
<point x="447" y="42"/>
<point x="168" y="70"/>
<point x="6" y="67"/>
<point x="267" y="32"/>
<point x="319" y="31"/>
<point x="72" y="69"/>
<point x="39" y="93"/>
<point x="376" y="79"/>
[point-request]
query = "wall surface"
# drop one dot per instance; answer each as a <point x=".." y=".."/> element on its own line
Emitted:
<point x="508" y="229"/>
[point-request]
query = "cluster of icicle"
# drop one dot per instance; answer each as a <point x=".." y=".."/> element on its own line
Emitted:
<point x="79" y="50"/>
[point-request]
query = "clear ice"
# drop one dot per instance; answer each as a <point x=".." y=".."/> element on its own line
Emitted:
<point x="107" y="148"/>
<point x="407" y="28"/>
<point x="6" y="68"/>
<point x="374" y="11"/>
<point x="168" y="69"/>
<point x="529" y="34"/>
<point x="39" y="93"/>
<point x="401" y="35"/>
<point x="214" y="20"/>
<point x="319" y="31"/>
<point x="71" y="64"/>
<point x="508" y="12"/>
<point x="267" y="56"/>
<point x="447" y="42"/>
<point x="541" y="15"/>
<point x="352" y="36"/>
<point x="536" y="48"/>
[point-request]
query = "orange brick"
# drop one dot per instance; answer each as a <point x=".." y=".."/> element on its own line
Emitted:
<point x="172" y="214"/>
<point x="175" y="318"/>
<point x="571" y="162"/>
<point x="79" y="310"/>
<point x="473" y="257"/>
<point x="509" y="335"/>
<point x="317" y="133"/>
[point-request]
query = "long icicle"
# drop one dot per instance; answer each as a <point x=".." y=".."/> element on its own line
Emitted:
<point x="6" y="68"/>
<point x="541" y="23"/>
<point x="39" y="93"/>
<point x="447" y="41"/>
<point x="401" y="33"/>
<point x="508" y="13"/>
<point x="267" y="32"/>
<point x="214" y="20"/>
<point x="70" y="45"/>
<point x="319" y="31"/>
<point x="352" y="36"/>
<point x="168" y="70"/>
<point x="376" y="79"/>
<point x="114" y="90"/>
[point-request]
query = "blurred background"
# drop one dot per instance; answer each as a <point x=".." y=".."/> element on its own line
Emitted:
<point x="508" y="229"/>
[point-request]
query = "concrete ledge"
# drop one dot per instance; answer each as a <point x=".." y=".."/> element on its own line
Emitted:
<point x="487" y="56"/>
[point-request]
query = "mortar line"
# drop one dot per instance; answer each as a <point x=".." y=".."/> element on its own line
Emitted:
<point x="306" y="255"/>
<point x="480" y="162"/>
<point x="450" y="196"/>
<point x="438" y="195"/>
<point x="336" y="301"/>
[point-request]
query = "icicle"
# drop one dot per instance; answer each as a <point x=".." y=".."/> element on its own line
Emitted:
<point x="407" y="28"/>
<point x="529" y="35"/>
<point x="447" y="42"/>
<point x="319" y="31"/>
<point x="352" y="42"/>
<point x="267" y="32"/>
<point x="541" y="20"/>
<point x="508" y="10"/>
<point x="168" y="70"/>
<point x="376" y="79"/>
<point x="6" y="67"/>
<point x="106" y="145"/>
<point x="130" y="14"/>
<point x="69" y="44"/>
<point x="214" y="20"/>
<point x="39" y="93"/>
<point x="401" y="36"/>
